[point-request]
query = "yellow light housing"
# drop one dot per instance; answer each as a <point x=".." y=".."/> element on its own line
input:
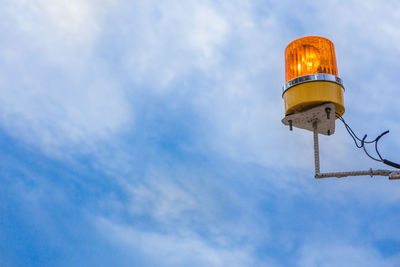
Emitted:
<point x="311" y="75"/>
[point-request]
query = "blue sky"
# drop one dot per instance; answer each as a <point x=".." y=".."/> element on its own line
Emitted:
<point x="148" y="133"/>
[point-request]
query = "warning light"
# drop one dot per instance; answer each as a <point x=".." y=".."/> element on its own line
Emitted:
<point x="311" y="75"/>
<point x="313" y="96"/>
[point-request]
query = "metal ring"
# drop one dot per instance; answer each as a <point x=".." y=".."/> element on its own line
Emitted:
<point x="311" y="78"/>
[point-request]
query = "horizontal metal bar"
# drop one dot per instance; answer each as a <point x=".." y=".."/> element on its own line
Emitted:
<point x="354" y="173"/>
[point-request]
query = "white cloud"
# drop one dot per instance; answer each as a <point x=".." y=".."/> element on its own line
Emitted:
<point x="163" y="200"/>
<point x="186" y="216"/>
<point x="341" y="254"/>
<point x="55" y="92"/>
<point x="182" y="249"/>
<point x="55" y="29"/>
<point x="182" y="198"/>
<point x="209" y="31"/>
<point x="170" y="40"/>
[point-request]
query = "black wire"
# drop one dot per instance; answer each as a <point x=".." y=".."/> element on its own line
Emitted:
<point x="376" y="144"/>
<point x="351" y="132"/>
<point x="365" y="150"/>
<point x="363" y="142"/>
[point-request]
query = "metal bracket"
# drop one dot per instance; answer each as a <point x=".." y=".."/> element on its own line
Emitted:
<point x="321" y="120"/>
<point x="324" y="115"/>
<point x="393" y="175"/>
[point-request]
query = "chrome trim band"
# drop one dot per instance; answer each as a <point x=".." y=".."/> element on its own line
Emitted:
<point x="311" y="78"/>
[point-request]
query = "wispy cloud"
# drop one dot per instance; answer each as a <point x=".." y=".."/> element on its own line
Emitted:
<point x="55" y="91"/>
<point x="175" y="250"/>
<point x="339" y="254"/>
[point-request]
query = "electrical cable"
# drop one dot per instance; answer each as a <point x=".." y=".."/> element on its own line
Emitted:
<point x="363" y="142"/>
<point x="366" y="152"/>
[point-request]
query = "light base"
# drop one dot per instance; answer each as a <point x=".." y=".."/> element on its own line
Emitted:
<point x="307" y="95"/>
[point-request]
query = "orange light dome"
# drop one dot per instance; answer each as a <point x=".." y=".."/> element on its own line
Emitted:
<point x="310" y="55"/>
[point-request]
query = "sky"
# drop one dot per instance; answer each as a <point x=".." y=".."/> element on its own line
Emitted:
<point x="148" y="133"/>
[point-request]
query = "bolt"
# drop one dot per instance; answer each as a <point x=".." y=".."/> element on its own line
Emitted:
<point x="291" y="125"/>
<point x="328" y="113"/>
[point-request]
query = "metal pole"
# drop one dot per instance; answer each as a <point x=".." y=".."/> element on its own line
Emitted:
<point x="316" y="149"/>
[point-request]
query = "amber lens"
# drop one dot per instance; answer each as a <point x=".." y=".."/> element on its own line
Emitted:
<point x="310" y="55"/>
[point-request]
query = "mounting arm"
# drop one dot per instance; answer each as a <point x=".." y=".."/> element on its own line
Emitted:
<point x="393" y="175"/>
